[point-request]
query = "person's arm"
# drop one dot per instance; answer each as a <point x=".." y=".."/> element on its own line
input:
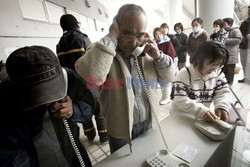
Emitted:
<point x="163" y="63"/>
<point x="78" y="103"/>
<point x="87" y="41"/>
<point x="175" y="42"/>
<point x="222" y="94"/>
<point x="184" y="43"/>
<point x="95" y="65"/>
<point x="78" y="110"/>
<point x="189" y="44"/>
<point x="83" y="99"/>
<point x="235" y="39"/>
<point x="181" y="101"/>
<point x="243" y="29"/>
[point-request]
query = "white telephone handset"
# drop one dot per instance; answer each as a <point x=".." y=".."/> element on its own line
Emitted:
<point x="138" y="50"/>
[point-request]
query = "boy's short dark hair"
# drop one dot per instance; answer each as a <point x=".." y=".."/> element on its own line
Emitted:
<point x="219" y="22"/>
<point x="229" y="21"/>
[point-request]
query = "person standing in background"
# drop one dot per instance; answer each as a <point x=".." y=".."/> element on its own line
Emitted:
<point x="232" y="45"/>
<point x="164" y="45"/>
<point x="173" y="39"/>
<point x="196" y="37"/>
<point x="73" y="43"/>
<point x="219" y="33"/>
<point x="71" y="47"/>
<point x="245" y="44"/>
<point x="182" y="51"/>
<point x="167" y="48"/>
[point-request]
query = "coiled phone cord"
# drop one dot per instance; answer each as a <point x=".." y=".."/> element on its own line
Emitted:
<point x="73" y="143"/>
<point x="150" y="102"/>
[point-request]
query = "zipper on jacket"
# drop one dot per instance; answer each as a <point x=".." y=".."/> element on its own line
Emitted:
<point x="204" y="91"/>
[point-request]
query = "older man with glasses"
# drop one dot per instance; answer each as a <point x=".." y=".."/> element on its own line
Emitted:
<point x="110" y="65"/>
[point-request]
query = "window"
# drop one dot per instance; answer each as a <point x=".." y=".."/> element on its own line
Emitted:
<point x="34" y="9"/>
<point x="92" y="25"/>
<point x="84" y="22"/>
<point x="41" y="10"/>
<point x="55" y="12"/>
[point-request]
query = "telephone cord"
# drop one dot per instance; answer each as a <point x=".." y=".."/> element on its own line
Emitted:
<point x="73" y="143"/>
<point x="150" y="102"/>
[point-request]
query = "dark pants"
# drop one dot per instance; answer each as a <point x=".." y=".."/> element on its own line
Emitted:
<point x="89" y="129"/>
<point x="137" y="130"/>
<point x="229" y="73"/>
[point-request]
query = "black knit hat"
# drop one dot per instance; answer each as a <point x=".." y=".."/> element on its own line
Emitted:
<point x="37" y="72"/>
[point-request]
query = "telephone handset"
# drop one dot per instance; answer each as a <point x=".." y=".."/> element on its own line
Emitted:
<point x="138" y="50"/>
<point x="69" y="132"/>
<point x="216" y="130"/>
<point x="162" y="157"/>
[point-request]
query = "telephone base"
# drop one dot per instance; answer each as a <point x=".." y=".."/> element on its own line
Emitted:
<point x="163" y="159"/>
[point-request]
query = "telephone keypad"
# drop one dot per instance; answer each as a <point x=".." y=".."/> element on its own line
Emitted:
<point x="157" y="162"/>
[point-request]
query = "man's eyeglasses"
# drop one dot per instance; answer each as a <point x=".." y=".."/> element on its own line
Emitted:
<point x="128" y="37"/>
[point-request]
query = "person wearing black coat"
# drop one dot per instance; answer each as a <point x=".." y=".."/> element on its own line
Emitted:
<point x="182" y="51"/>
<point x="37" y="99"/>
<point x="73" y="45"/>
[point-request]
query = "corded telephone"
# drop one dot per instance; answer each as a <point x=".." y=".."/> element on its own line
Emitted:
<point x="71" y="137"/>
<point x="73" y="143"/>
<point x="164" y="158"/>
<point x="137" y="51"/>
<point x="215" y="130"/>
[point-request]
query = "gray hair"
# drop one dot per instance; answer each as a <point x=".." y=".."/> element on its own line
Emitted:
<point x="133" y="9"/>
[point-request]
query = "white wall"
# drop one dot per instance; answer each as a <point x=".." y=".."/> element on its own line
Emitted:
<point x="16" y="32"/>
<point x="175" y="13"/>
<point x="211" y="10"/>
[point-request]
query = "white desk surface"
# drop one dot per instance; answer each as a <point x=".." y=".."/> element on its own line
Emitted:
<point x="178" y="128"/>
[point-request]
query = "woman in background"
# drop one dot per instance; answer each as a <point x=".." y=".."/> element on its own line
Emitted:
<point x="166" y="47"/>
<point x="219" y="33"/>
<point x="182" y="52"/>
<point x="196" y="37"/>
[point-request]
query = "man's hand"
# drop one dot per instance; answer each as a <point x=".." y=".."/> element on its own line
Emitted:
<point x="151" y="47"/>
<point x="222" y="114"/>
<point x="114" y="29"/>
<point x="62" y="108"/>
<point x="209" y="116"/>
